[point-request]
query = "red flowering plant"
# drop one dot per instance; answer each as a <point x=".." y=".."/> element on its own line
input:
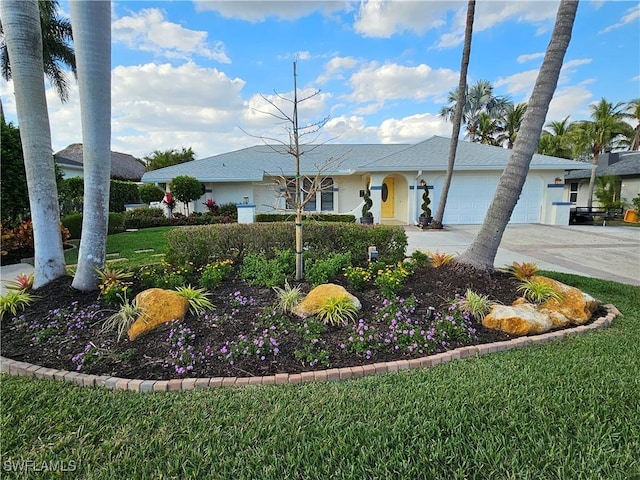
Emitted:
<point x="169" y="201"/>
<point x="212" y="206"/>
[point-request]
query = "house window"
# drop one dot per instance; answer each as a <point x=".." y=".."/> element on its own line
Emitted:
<point x="573" y="192"/>
<point x="323" y="198"/>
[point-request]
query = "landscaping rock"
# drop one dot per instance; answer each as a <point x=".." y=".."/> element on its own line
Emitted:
<point x="157" y="307"/>
<point x="523" y="318"/>
<point x="316" y="298"/>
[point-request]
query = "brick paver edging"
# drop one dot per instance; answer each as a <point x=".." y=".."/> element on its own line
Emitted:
<point x="13" y="367"/>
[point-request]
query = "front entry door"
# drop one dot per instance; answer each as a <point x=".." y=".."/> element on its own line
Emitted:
<point x="387" y="210"/>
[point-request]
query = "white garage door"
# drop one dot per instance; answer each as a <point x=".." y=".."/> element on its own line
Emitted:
<point x="470" y="195"/>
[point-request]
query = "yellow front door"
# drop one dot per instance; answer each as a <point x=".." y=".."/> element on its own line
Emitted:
<point x="387" y="210"/>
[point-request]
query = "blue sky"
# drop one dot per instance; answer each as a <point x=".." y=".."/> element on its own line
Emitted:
<point x="191" y="74"/>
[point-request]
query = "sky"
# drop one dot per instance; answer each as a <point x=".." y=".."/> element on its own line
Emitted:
<point x="196" y="73"/>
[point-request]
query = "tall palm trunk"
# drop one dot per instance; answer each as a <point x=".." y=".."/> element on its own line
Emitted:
<point x="92" y="38"/>
<point x="482" y="251"/>
<point x="457" y="116"/>
<point x="21" y="24"/>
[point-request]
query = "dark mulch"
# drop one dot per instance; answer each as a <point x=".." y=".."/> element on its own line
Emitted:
<point x="146" y="357"/>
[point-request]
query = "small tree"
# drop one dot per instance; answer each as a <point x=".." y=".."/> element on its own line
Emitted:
<point x="13" y="188"/>
<point x="150" y="193"/>
<point x="366" y="208"/>
<point x="186" y="189"/>
<point x="608" y="191"/>
<point x="425" y="216"/>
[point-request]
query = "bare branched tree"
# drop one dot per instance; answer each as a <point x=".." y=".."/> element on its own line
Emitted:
<point x="302" y="188"/>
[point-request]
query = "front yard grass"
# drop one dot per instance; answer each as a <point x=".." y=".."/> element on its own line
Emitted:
<point x="140" y="247"/>
<point x="562" y="410"/>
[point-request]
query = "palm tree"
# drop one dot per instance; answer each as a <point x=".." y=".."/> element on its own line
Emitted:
<point x="510" y="124"/>
<point x="22" y="35"/>
<point x="600" y="134"/>
<point x="557" y="139"/>
<point x="456" y="115"/>
<point x="56" y="46"/>
<point x="92" y="34"/>
<point x="479" y="99"/>
<point x="482" y="251"/>
<point x="633" y="107"/>
<point x="488" y="130"/>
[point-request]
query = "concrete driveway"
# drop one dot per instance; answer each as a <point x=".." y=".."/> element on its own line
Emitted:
<point x="610" y="253"/>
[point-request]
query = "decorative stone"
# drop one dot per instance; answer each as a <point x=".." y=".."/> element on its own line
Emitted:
<point x="157" y="306"/>
<point x="576" y="305"/>
<point x="316" y="298"/>
<point x="523" y="318"/>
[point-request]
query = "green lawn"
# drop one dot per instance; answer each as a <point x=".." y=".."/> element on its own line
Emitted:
<point x="130" y="246"/>
<point x="566" y="410"/>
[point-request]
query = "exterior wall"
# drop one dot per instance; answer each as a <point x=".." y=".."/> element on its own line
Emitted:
<point x="70" y="172"/>
<point x="630" y="189"/>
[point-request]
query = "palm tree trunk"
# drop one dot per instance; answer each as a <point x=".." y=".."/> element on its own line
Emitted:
<point x="92" y="37"/>
<point x="21" y="24"/>
<point x="482" y="251"/>
<point x="457" y="116"/>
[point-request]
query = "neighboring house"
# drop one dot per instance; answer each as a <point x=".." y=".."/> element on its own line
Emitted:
<point x="123" y="166"/>
<point x="625" y="165"/>
<point x="395" y="174"/>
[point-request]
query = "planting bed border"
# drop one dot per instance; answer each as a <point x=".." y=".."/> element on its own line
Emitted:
<point x="13" y="367"/>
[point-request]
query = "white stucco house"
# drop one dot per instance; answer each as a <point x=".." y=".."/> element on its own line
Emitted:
<point x="624" y="165"/>
<point x="396" y="174"/>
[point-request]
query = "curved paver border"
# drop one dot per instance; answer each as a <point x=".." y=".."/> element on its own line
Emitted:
<point x="13" y="367"/>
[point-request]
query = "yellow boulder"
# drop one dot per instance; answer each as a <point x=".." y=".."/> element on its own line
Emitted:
<point x="316" y="298"/>
<point x="576" y="305"/>
<point x="521" y="319"/>
<point x="157" y="306"/>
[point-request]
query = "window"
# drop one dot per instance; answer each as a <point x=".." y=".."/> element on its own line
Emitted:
<point x="573" y="192"/>
<point x="322" y="198"/>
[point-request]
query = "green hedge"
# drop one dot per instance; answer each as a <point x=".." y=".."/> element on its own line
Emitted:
<point x="203" y="244"/>
<point x="121" y="194"/>
<point x="73" y="223"/>
<point x="154" y="217"/>
<point x="317" y="217"/>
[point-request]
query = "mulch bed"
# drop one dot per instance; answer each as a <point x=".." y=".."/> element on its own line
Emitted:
<point x="147" y="357"/>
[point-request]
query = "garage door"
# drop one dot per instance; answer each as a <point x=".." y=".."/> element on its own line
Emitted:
<point x="470" y="195"/>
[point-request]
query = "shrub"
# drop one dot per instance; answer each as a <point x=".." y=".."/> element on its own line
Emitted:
<point x="113" y="283"/>
<point x="74" y="223"/>
<point x="165" y="276"/>
<point x="214" y="273"/>
<point x="228" y="210"/>
<point x="21" y="237"/>
<point x="258" y="270"/>
<point x="145" y="218"/>
<point x="358" y="277"/>
<point x="391" y="279"/>
<point x="150" y="193"/>
<point x="420" y="259"/>
<point x="636" y="203"/>
<point x="122" y="193"/>
<point x="324" y="269"/>
<point x="317" y="217"/>
<point x="204" y="244"/>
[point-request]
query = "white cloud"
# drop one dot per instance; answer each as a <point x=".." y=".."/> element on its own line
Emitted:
<point x="631" y="15"/>
<point x="384" y="19"/>
<point x="571" y="101"/>
<point x="350" y="129"/>
<point x="488" y="14"/>
<point x="260" y="10"/>
<point x="380" y="83"/>
<point x="333" y="69"/>
<point x="148" y="30"/>
<point x="523" y="82"/>
<point x="413" y="129"/>
<point x="529" y="56"/>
